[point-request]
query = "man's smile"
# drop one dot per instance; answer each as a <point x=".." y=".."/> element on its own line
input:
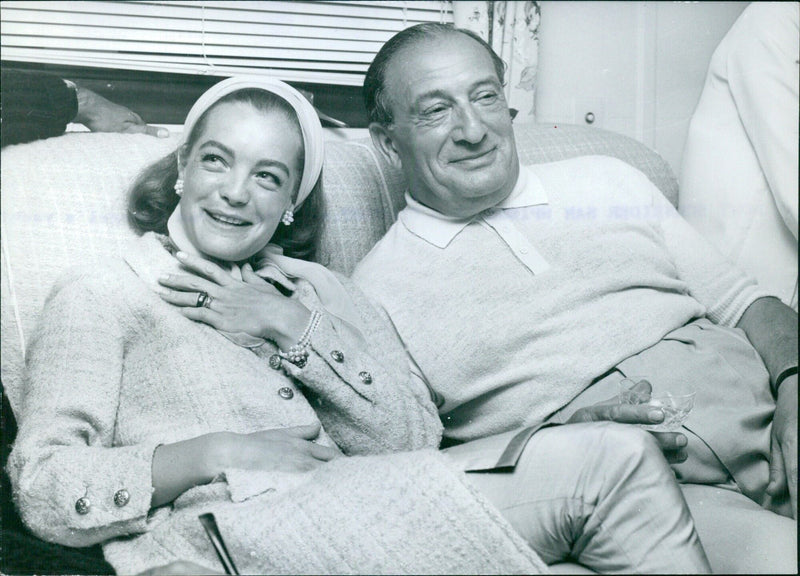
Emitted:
<point x="476" y="160"/>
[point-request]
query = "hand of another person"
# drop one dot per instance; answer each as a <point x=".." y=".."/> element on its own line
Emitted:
<point x="783" y="452"/>
<point x="673" y="444"/>
<point x="101" y="115"/>
<point x="178" y="567"/>
<point x="250" y="305"/>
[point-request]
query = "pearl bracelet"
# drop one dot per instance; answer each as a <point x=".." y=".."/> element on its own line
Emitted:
<point x="298" y="354"/>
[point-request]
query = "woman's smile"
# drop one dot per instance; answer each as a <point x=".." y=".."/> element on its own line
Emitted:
<point x="227" y="220"/>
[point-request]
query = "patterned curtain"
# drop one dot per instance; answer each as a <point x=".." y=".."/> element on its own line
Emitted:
<point x="512" y="29"/>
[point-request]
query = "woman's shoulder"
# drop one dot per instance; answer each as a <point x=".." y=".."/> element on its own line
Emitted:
<point x="110" y="278"/>
<point x="95" y="277"/>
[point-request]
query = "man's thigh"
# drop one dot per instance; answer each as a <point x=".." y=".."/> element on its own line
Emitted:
<point x="600" y="493"/>
<point x="739" y="536"/>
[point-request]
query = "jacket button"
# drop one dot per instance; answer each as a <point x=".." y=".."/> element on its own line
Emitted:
<point x="338" y="356"/>
<point x="121" y="497"/>
<point x="82" y="506"/>
<point x="286" y="393"/>
<point x="366" y="377"/>
<point x="275" y="362"/>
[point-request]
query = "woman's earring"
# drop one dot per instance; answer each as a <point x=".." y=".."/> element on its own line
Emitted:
<point x="288" y="217"/>
<point x="179" y="186"/>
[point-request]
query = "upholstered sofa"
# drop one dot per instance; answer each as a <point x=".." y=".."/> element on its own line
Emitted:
<point x="63" y="203"/>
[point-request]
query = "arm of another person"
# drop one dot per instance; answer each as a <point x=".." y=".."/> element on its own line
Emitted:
<point x="39" y="105"/>
<point x="34" y="105"/>
<point x="763" y="78"/>
<point x="358" y="384"/>
<point x="771" y="327"/>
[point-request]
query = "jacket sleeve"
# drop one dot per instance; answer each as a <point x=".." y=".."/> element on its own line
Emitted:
<point x="362" y="388"/>
<point x="70" y="484"/>
<point x="763" y="78"/>
<point x="35" y="105"/>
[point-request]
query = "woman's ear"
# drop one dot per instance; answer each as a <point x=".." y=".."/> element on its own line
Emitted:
<point x="181" y="156"/>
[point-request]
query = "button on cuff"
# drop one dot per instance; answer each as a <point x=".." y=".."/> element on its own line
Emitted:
<point x="275" y="362"/>
<point x="82" y="506"/>
<point x="121" y="498"/>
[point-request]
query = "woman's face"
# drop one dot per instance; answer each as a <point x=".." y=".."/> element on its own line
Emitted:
<point x="239" y="178"/>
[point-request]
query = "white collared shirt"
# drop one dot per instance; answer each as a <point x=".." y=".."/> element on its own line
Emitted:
<point x="439" y="229"/>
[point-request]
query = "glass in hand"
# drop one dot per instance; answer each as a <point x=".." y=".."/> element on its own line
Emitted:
<point x="676" y="407"/>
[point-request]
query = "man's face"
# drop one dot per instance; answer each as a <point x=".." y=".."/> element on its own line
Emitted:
<point x="452" y="129"/>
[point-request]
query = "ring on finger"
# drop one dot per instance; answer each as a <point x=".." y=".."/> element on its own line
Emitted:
<point x="203" y="300"/>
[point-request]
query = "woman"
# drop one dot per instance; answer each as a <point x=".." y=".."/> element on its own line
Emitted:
<point x="230" y="394"/>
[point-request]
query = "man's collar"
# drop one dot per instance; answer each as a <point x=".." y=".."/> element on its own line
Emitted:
<point x="439" y="229"/>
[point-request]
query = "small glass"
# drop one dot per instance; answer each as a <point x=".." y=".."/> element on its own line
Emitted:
<point x="676" y="407"/>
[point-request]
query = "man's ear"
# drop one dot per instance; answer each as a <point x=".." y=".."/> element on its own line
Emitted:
<point x="383" y="141"/>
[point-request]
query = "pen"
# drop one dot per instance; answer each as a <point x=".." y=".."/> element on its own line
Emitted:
<point x="210" y="525"/>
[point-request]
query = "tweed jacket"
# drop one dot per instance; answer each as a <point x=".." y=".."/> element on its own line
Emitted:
<point x="113" y="371"/>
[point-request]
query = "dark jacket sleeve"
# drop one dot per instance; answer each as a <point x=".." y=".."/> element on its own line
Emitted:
<point x="34" y="105"/>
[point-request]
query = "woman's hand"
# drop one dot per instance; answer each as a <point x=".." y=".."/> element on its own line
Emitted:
<point x="673" y="444"/>
<point x="251" y="305"/>
<point x="283" y="449"/>
<point x="183" y="465"/>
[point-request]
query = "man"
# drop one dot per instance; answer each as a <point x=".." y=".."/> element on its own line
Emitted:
<point x="528" y="294"/>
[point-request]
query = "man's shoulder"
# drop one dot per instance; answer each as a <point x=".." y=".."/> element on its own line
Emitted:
<point x="389" y="253"/>
<point x="592" y="176"/>
<point x="592" y="163"/>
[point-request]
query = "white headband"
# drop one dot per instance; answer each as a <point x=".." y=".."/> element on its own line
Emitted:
<point x="310" y="126"/>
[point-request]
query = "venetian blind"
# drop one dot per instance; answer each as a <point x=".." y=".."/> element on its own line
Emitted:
<point x="319" y="42"/>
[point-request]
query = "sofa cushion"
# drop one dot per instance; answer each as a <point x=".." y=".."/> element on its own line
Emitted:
<point x="537" y="143"/>
<point x="63" y="203"/>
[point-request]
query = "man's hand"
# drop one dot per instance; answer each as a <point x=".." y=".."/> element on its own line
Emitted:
<point x="101" y="115"/>
<point x="673" y="444"/>
<point x="783" y="452"/>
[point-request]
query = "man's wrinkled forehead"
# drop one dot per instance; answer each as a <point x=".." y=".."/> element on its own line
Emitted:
<point x="429" y="67"/>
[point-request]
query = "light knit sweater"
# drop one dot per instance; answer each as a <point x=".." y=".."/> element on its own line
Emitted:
<point x="508" y="348"/>
<point x="113" y="371"/>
